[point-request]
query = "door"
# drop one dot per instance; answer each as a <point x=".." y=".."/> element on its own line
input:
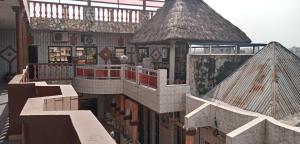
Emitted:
<point x="32" y="59"/>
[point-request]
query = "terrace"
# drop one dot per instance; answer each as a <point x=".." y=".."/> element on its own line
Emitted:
<point x="146" y="86"/>
<point x="53" y="107"/>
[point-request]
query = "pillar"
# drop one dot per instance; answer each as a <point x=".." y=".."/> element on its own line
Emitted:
<point x="190" y="136"/>
<point x="172" y="62"/>
<point x="100" y="108"/>
<point x="134" y="122"/>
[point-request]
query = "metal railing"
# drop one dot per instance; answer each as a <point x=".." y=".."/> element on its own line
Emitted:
<point x="148" y="77"/>
<point x="224" y="49"/>
<point x="130" y="73"/>
<point x="65" y="71"/>
<point x="98" y="71"/>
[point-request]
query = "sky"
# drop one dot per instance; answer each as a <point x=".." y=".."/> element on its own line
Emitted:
<point x="263" y="20"/>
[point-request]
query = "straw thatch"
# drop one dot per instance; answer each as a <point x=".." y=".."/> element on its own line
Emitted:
<point x="268" y="83"/>
<point x="188" y="20"/>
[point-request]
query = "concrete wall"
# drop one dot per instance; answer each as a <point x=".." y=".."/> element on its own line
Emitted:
<point x="18" y="93"/>
<point x="7" y="39"/>
<point x="90" y="86"/>
<point x="49" y="129"/>
<point x="206" y="71"/>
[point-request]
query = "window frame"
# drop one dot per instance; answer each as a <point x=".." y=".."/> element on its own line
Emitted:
<point x="115" y="54"/>
<point x="86" y="47"/>
<point x="71" y="54"/>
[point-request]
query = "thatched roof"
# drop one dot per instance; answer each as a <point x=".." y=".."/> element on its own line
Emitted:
<point x="188" y="20"/>
<point x="268" y="83"/>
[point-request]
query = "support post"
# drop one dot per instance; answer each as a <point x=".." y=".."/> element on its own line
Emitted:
<point x="172" y="62"/>
<point x="190" y="136"/>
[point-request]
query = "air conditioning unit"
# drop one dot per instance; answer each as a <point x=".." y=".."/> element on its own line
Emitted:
<point x="60" y="37"/>
<point x="88" y="40"/>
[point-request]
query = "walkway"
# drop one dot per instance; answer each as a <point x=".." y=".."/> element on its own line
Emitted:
<point x="4" y="114"/>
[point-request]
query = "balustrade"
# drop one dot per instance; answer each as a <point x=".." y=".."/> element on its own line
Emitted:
<point x="71" y="11"/>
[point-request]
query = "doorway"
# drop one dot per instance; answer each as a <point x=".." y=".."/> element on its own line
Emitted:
<point x="32" y="59"/>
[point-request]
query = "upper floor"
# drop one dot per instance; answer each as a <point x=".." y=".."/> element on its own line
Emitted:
<point x="91" y="16"/>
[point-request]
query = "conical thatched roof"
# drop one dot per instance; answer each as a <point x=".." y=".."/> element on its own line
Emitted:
<point x="188" y="20"/>
<point x="268" y="83"/>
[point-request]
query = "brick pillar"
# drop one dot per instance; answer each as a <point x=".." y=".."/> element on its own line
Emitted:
<point x="190" y="136"/>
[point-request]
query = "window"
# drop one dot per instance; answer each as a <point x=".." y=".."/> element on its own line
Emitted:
<point x="86" y="55"/>
<point x="119" y="51"/>
<point x="143" y="53"/>
<point x="60" y="54"/>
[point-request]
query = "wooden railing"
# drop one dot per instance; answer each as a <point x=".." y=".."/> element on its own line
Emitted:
<point x="48" y="71"/>
<point x="77" y="12"/>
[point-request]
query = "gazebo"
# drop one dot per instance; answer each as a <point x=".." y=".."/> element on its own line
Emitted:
<point x="187" y="21"/>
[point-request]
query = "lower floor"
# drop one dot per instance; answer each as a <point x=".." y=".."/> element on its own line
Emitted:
<point x="130" y="122"/>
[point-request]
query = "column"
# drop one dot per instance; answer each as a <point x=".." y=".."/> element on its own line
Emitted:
<point x="134" y="122"/>
<point x="172" y="62"/>
<point x="190" y="136"/>
<point x="100" y="108"/>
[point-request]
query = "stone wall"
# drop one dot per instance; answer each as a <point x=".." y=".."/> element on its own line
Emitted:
<point x="206" y="71"/>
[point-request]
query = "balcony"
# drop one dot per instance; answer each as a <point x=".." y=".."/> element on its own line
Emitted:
<point x="78" y="17"/>
<point x="42" y="113"/>
<point x="146" y="86"/>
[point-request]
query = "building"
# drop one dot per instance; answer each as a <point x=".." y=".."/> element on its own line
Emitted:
<point x="71" y="87"/>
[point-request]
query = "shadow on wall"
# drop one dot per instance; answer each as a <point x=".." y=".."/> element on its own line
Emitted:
<point x="206" y="71"/>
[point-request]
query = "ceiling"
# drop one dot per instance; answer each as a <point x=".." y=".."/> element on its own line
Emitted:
<point x="7" y="15"/>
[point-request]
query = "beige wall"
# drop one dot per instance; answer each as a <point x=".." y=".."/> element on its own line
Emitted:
<point x="49" y="129"/>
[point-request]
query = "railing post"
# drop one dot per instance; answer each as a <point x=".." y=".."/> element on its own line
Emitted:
<point x="122" y="72"/>
<point x="138" y="71"/>
<point x="109" y="73"/>
<point x="161" y="78"/>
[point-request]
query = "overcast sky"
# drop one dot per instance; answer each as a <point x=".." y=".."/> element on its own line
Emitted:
<point x="263" y="20"/>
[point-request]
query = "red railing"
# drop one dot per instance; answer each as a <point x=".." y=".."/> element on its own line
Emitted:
<point x="72" y="11"/>
<point x="98" y="71"/>
<point x="48" y="71"/>
<point x="130" y="73"/>
<point x="148" y="77"/>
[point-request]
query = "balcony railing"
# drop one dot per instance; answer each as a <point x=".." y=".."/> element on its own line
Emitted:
<point x="148" y="77"/>
<point x="77" y="12"/>
<point x="48" y="71"/>
<point x="98" y="71"/>
<point x="130" y="73"/>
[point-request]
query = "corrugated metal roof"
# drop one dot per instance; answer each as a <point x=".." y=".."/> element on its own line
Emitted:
<point x="268" y="83"/>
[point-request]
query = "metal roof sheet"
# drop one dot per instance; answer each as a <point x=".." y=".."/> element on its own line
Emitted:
<point x="268" y="83"/>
